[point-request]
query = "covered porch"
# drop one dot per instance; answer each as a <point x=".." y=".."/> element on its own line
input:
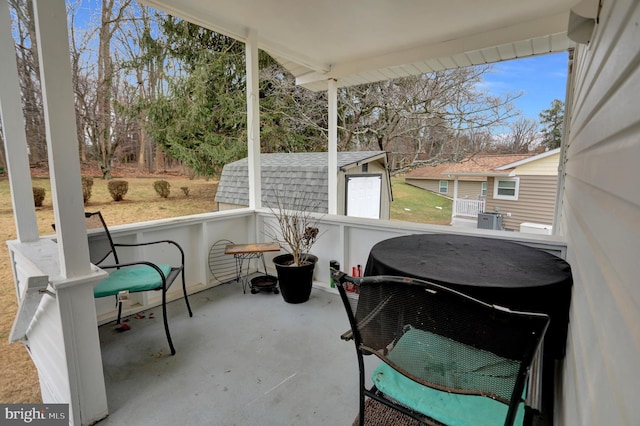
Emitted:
<point x="244" y="358"/>
<point x="75" y="359"/>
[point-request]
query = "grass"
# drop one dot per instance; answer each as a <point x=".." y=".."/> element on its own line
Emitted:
<point x="416" y="205"/>
<point x="19" y="382"/>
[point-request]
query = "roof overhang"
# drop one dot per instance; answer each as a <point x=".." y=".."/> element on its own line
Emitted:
<point x="530" y="159"/>
<point x="374" y="157"/>
<point x="362" y="41"/>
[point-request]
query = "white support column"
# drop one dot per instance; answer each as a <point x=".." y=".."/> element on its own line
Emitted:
<point x="80" y="380"/>
<point x="455" y="198"/>
<point x="59" y="114"/>
<point x="332" y="170"/>
<point x="253" y="121"/>
<point x="15" y="140"/>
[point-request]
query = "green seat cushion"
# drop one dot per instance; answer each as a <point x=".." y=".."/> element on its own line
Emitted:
<point x="454" y="364"/>
<point x="134" y="278"/>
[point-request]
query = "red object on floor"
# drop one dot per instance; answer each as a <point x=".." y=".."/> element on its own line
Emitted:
<point x="123" y="327"/>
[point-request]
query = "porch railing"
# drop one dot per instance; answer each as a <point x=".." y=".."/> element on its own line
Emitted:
<point x="67" y="316"/>
<point x="466" y="207"/>
<point x="345" y="239"/>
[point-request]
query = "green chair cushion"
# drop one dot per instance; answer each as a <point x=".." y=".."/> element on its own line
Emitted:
<point x="134" y="278"/>
<point x="451" y="362"/>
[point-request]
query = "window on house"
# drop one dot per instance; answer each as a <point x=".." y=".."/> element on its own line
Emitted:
<point x="444" y="187"/>
<point x="506" y="188"/>
<point x="365" y="167"/>
<point x="483" y="190"/>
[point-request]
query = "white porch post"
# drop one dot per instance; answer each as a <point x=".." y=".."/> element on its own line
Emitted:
<point x="74" y="285"/>
<point x="62" y="139"/>
<point x="253" y="121"/>
<point x="15" y="140"/>
<point x="332" y="170"/>
<point x="455" y="198"/>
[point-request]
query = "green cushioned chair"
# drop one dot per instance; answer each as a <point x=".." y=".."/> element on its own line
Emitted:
<point x="136" y="276"/>
<point x="446" y="358"/>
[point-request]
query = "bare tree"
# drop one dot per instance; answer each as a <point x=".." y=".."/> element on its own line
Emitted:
<point x="105" y="144"/>
<point x="29" y="75"/>
<point x="440" y="116"/>
<point x="524" y="134"/>
<point x="293" y="118"/>
<point x="145" y="54"/>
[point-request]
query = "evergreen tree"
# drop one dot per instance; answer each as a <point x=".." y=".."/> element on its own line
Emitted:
<point x="551" y="121"/>
<point x="201" y="120"/>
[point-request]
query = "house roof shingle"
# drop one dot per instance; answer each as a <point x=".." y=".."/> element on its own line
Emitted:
<point x="486" y="164"/>
<point x="476" y="167"/>
<point x="438" y="172"/>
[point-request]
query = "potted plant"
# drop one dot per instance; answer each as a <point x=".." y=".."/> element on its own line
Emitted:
<point x="296" y="230"/>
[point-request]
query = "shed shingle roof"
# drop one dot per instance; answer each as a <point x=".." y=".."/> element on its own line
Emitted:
<point x="287" y="173"/>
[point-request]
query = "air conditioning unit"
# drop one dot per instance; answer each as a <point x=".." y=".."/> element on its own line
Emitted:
<point x="490" y="221"/>
<point x="536" y="228"/>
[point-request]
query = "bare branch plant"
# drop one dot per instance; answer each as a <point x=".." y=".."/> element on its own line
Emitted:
<point x="297" y="223"/>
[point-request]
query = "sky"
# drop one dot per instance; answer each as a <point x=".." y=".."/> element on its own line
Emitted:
<point x="541" y="79"/>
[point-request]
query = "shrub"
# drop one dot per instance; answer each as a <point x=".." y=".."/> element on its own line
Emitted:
<point x="87" y="185"/>
<point x="162" y="188"/>
<point x="185" y="190"/>
<point x="118" y="189"/>
<point x="38" y="195"/>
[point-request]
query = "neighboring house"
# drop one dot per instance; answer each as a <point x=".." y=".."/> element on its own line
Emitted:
<point x="522" y="187"/>
<point x="435" y="179"/>
<point x="364" y="188"/>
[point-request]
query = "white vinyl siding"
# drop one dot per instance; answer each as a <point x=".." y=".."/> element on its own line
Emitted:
<point x="599" y="217"/>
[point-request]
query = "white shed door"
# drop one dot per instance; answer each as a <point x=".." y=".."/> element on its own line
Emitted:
<point x="363" y="196"/>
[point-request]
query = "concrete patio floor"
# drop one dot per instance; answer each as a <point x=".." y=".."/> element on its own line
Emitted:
<point x="242" y="359"/>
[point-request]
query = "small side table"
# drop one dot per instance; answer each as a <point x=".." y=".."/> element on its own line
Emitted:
<point x="242" y="252"/>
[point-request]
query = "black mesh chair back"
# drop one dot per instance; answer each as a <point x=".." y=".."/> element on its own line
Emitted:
<point x="101" y="248"/>
<point x="133" y="276"/>
<point x="439" y="344"/>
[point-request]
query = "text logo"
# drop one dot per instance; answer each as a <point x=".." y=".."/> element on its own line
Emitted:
<point x="34" y="414"/>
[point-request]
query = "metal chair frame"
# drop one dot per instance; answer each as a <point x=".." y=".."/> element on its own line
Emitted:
<point x="525" y="323"/>
<point x="166" y="281"/>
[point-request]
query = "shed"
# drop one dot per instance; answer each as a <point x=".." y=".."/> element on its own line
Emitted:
<point x="364" y="188"/>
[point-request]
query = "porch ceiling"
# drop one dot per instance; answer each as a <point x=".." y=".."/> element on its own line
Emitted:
<point x="361" y="41"/>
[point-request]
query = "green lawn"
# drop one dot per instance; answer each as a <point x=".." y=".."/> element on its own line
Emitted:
<point x="413" y="204"/>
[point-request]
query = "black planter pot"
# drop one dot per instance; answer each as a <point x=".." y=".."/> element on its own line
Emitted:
<point x="295" y="281"/>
